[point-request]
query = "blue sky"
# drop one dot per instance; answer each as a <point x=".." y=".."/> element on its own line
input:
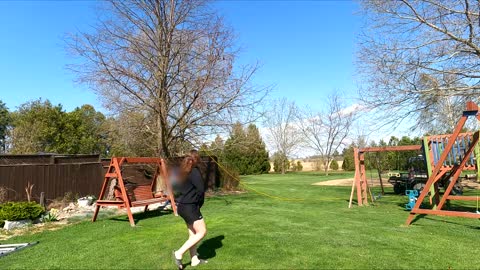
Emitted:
<point x="306" y="48"/>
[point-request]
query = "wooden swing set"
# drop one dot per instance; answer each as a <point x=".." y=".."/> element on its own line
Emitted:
<point x="445" y="155"/>
<point x="134" y="195"/>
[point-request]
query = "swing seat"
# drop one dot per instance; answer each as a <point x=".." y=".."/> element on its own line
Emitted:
<point x="140" y="195"/>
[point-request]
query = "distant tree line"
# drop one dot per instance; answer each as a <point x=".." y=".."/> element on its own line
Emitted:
<point x="40" y="127"/>
<point x="383" y="160"/>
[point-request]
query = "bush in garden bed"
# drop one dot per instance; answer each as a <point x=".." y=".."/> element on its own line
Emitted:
<point x="13" y="211"/>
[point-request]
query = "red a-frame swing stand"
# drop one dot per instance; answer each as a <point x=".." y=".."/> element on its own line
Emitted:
<point x="140" y="195"/>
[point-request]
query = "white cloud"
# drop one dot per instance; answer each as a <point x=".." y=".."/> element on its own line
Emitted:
<point x="357" y="107"/>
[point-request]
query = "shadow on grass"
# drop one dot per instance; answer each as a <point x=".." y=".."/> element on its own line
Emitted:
<point x="456" y="223"/>
<point x="208" y="248"/>
<point x="450" y="208"/>
<point x="138" y="217"/>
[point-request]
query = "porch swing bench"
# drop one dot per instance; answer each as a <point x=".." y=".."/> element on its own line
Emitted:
<point x="127" y="194"/>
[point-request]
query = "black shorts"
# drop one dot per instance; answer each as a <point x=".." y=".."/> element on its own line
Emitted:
<point x="190" y="212"/>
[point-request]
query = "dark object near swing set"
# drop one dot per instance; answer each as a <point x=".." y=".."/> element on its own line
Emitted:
<point x="417" y="176"/>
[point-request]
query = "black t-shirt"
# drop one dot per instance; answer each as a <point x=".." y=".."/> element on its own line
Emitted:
<point x="193" y="189"/>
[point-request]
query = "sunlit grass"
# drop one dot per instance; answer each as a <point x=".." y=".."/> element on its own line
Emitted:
<point x="253" y="230"/>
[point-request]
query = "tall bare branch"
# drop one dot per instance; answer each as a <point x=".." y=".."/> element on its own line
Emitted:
<point x="419" y="56"/>
<point x="283" y="132"/>
<point x="325" y="131"/>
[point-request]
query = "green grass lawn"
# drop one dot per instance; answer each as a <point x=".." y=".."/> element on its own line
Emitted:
<point x="255" y="231"/>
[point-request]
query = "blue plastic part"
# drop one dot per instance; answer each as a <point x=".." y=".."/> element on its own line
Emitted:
<point x="412" y="198"/>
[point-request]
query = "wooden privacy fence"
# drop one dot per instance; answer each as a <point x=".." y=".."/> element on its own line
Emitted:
<point x="52" y="174"/>
<point x="82" y="175"/>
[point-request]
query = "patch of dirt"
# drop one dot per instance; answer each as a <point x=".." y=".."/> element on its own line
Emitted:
<point x="348" y="182"/>
<point x="469" y="184"/>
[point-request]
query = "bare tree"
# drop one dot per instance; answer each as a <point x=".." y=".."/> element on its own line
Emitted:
<point x="171" y="60"/>
<point x="418" y="58"/>
<point x="283" y="132"/>
<point x="325" y="132"/>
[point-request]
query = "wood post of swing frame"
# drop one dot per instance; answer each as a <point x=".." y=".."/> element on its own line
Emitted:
<point x="455" y="171"/>
<point x="360" y="182"/>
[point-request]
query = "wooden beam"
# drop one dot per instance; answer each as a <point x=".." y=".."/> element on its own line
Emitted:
<point x="358" y="178"/>
<point x="143" y="160"/>
<point x="391" y="148"/>
<point x="463" y="198"/>
<point x="446" y="213"/>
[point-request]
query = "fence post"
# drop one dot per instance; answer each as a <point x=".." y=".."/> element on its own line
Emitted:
<point x="42" y="199"/>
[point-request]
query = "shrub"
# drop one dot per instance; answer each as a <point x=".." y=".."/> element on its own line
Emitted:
<point x="334" y="165"/>
<point x="229" y="178"/>
<point x="20" y="210"/>
<point x="299" y="166"/>
<point x="278" y="158"/>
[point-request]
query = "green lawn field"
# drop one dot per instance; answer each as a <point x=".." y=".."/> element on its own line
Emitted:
<point x="262" y="231"/>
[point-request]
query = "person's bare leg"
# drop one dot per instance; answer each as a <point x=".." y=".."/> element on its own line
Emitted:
<point x="199" y="231"/>
<point x="193" y="249"/>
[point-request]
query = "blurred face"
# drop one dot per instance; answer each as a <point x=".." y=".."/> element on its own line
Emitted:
<point x="186" y="167"/>
<point x="195" y="157"/>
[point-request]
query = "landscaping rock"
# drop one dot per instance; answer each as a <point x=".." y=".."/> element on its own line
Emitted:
<point x="9" y="225"/>
<point x="69" y="208"/>
<point x="85" y="201"/>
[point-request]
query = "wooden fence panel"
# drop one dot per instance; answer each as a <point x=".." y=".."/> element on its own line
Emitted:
<point x="81" y="175"/>
<point x="55" y="175"/>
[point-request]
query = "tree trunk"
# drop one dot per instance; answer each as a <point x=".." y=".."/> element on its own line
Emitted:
<point x="326" y="167"/>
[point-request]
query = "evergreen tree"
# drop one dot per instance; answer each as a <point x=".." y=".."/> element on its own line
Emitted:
<point x="246" y="151"/>
<point x="235" y="149"/>
<point x="334" y="165"/>
<point x="348" y="159"/>
<point x="257" y="151"/>
<point x="217" y="147"/>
